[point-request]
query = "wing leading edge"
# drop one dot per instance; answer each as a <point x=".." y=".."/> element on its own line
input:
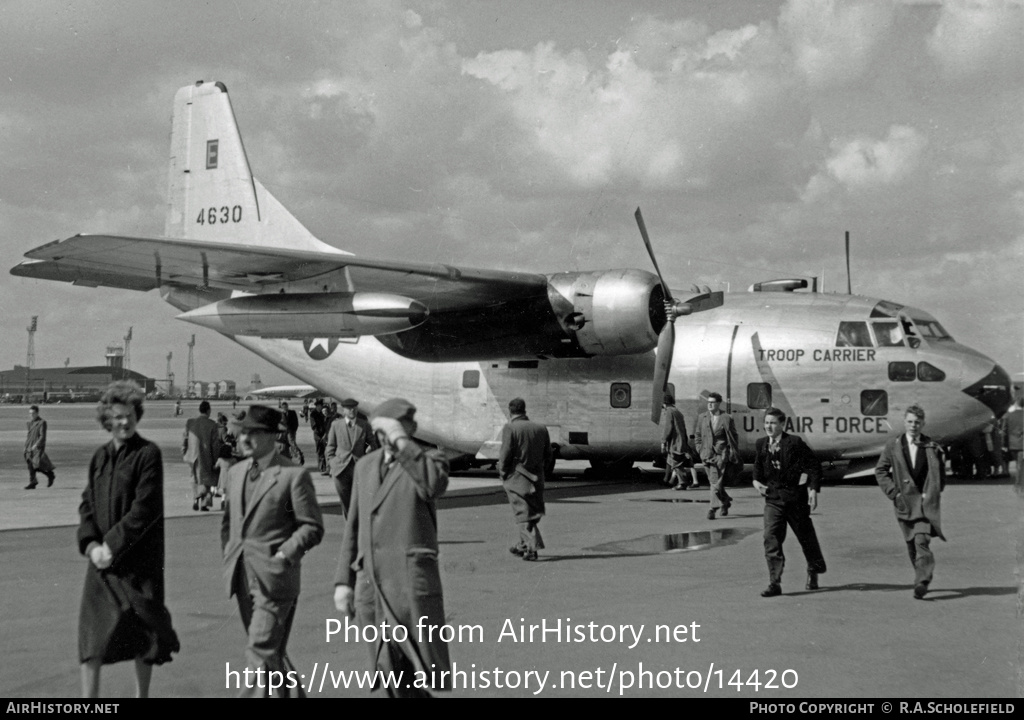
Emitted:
<point x="149" y="263"/>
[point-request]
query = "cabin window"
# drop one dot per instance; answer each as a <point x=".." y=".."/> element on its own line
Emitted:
<point x="874" y="402"/>
<point x="759" y="396"/>
<point x="901" y="371"/>
<point x="211" y="153"/>
<point x="471" y="379"/>
<point x="621" y="395"/>
<point x="926" y="372"/>
<point x="853" y="334"/>
<point x="888" y="334"/>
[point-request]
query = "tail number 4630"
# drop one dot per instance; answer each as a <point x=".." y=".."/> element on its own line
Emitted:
<point x="223" y="214"/>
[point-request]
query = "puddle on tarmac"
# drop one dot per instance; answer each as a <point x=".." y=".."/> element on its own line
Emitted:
<point x="674" y="543"/>
<point x="672" y="500"/>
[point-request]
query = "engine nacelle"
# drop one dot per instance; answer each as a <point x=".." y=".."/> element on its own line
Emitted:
<point x="610" y="312"/>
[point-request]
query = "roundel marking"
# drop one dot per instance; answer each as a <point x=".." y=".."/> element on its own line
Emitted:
<point x="319" y="348"/>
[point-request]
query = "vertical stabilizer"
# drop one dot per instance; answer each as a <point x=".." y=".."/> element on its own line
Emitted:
<point x="212" y="194"/>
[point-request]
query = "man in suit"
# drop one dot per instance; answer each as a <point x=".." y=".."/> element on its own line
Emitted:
<point x="523" y="460"/>
<point x="200" y="448"/>
<point x="388" y="562"/>
<point x="912" y="473"/>
<point x="1014" y="421"/>
<point x="318" y="424"/>
<point x="35" y="450"/>
<point x="675" y="444"/>
<point x="788" y="476"/>
<point x="348" y="439"/>
<point x="718" y="445"/>
<point x="291" y="424"/>
<point x="271" y="520"/>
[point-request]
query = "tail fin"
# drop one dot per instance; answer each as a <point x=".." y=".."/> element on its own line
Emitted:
<point x="212" y="194"/>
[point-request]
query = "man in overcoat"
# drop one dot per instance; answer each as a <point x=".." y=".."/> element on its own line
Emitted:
<point x="718" y="446"/>
<point x="523" y="460"/>
<point x="271" y="521"/>
<point x="318" y="424"/>
<point x="200" y="448"/>
<point x="788" y="476"/>
<point x="912" y="473"/>
<point x="349" y="438"/>
<point x="1015" y="440"/>
<point x="388" y="566"/>
<point x="35" y="450"/>
<point x="291" y="424"/>
<point x="675" y="444"/>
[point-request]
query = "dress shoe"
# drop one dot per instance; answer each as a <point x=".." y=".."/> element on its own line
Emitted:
<point x="772" y="590"/>
<point x="49" y="483"/>
<point x="195" y="504"/>
<point x="711" y="514"/>
<point x="679" y="487"/>
<point x="530" y="555"/>
<point x="725" y="510"/>
<point x="812" y="581"/>
<point x="516" y="550"/>
<point x="31" y="486"/>
<point x="695" y="486"/>
<point x="920" y="590"/>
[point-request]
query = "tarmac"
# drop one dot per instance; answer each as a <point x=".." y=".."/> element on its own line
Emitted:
<point x="621" y="553"/>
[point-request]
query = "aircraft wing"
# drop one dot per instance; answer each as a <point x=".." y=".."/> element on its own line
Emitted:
<point x="147" y="263"/>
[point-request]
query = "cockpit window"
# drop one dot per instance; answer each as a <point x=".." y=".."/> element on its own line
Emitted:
<point x="932" y="330"/>
<point x="926" y="372"/>
<point x="853" y="334"/>
<point x="888" y="333"/>
<point x="886" y="309"/>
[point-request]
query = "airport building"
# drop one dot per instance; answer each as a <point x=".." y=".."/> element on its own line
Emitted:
<point x="65" y="384"/>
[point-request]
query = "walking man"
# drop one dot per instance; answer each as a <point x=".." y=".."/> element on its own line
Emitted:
<point x="788" y="476"/>
<point x="675" y="444"/>
<point x="200" y="448"/>
<point x="912" y="473"/>
<point x="35" y="450"/>
<point x="388" y="566"/>
<point x="349" y="438"/>
<point x="291" y="424"/>
<point x="318" y="424"/>
<point x="718" y="445"/>
<point x="522" y="462"/>
<point x="271" y="521"/>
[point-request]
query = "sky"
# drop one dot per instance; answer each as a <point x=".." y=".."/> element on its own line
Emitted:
<point x="522" y="136"/>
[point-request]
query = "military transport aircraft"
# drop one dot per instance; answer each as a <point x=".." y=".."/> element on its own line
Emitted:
<point x="284" y="392"/>
<point x="579" y="347"/>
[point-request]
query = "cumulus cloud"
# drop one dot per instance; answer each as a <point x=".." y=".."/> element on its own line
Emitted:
<point x="834" y="42"/>
<point x="862" y="163"/>
<point x="979" y="38"/>
<point x="674" y="115"/>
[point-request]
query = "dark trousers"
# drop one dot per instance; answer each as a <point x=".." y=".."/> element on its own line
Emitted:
<point x="922" y="558"/>
<point x="321" y="445"/>
<point x="268" y="623"/>
<point x="796" y="514"/>
<point x="716" y="484"/>
<point x="343" y="484"/>
<point x="32" y="473"/>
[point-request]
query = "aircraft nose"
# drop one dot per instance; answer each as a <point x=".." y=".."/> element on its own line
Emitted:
<point x="994" y="390"/>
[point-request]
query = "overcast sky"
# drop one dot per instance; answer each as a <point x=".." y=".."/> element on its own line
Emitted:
<point x="522" y="135"/>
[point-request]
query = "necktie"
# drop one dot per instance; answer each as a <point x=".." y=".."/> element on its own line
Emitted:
<point x="250" y="479"/>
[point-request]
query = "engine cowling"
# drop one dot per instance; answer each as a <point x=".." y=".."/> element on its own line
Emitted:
<point x="610" y="312"/>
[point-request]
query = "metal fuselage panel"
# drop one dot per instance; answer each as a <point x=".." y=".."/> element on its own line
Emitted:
<point x="781" y="340"/>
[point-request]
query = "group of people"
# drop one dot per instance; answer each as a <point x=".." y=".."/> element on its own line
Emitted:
<point x="387" y="568"/>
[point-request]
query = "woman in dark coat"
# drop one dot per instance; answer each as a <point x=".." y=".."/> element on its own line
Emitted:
<point x="121" y="532"/>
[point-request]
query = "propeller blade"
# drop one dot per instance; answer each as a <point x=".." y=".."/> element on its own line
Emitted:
<point x="650" y="251"/>
<point x="662" y="365"/>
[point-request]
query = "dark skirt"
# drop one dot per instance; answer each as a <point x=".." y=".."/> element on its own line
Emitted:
<point x="124" y="618"/>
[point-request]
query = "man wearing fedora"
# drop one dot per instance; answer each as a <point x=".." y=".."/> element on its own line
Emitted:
<point x="271" y="520"/>
<point x="349" y="439"/>
<point x="388" y="566"/>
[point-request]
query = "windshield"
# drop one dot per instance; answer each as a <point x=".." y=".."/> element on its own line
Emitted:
<point x="931" y="329"/>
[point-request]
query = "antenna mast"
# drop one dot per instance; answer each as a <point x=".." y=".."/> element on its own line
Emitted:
<point x="190" y="374"/>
